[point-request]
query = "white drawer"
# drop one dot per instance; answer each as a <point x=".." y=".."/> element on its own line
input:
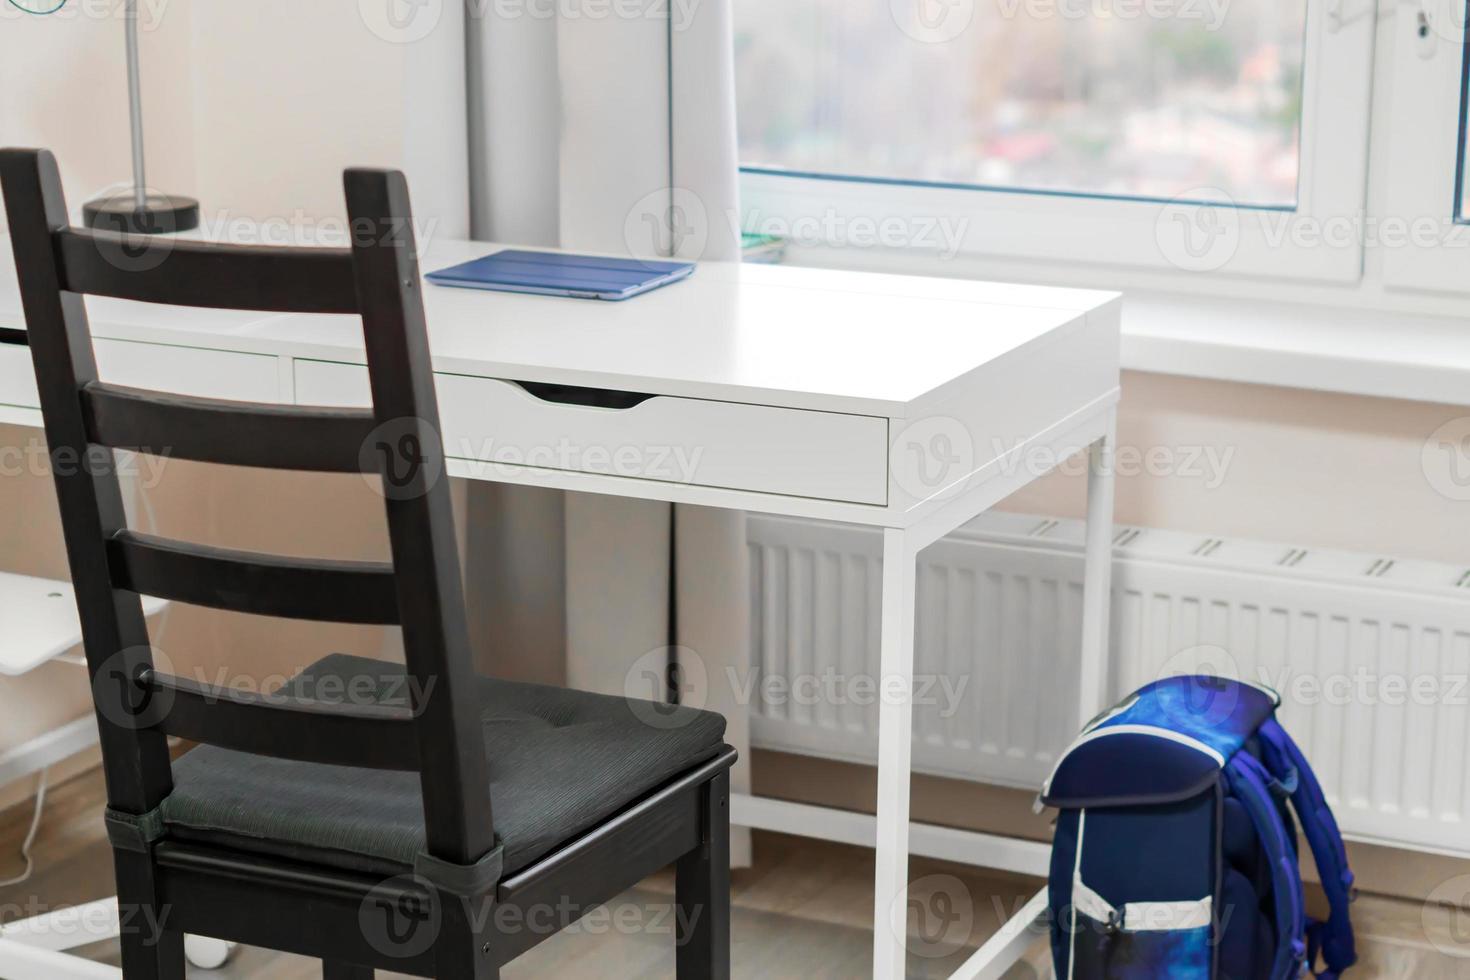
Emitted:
<point x="190" y="370"/>
<point x="759" y="448"/>
<point x="186" y="370"/>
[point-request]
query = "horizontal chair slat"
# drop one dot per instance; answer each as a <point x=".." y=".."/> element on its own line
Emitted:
<point x="368" y="736"/>
<point x="266" y="585"/>
<point x="206" y="274"/>
<point x="212" y="430"/>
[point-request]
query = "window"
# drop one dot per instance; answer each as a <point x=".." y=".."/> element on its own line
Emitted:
<point x="1462" y="206"/>
<point x="1115" y="106"/>
<point x="1061" y="128"/>
<point x="1425" y="233"/>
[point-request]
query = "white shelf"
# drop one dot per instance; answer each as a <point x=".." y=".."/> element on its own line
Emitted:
<point x="1357" y="351"/>
<point x="40" y="621"/>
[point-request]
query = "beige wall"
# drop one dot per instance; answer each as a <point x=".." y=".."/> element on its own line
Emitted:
<point x="1306" y="468"/>
<point x="65" y="85"/>
<point x="258" y="120"/>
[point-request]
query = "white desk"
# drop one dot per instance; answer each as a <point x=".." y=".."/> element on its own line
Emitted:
<point x="903" y="403"/>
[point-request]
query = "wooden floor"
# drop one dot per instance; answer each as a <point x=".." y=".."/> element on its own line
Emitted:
<point x="801" y="912"/>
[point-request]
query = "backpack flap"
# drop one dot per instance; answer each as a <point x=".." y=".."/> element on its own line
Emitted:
<point x="1167" y="742"/>
<point x="1130" y="766"/>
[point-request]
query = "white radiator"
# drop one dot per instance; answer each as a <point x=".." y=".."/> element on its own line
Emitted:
<point x="1371" y="655"/>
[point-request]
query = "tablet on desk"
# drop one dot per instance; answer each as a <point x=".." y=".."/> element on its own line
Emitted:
<point x="555" y="274"/>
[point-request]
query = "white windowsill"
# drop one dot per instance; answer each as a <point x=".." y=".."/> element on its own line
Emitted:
<point x="1356" y="351"/>
<point x="1360" y="340"/>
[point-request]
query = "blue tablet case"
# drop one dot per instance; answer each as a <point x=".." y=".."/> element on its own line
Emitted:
<point x="554" y="274"/>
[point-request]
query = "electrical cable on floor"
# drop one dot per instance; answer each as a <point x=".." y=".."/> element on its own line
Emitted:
<point x="25" y="847"/>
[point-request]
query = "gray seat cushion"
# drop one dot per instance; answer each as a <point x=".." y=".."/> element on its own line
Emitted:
<point x="560" y="761"/>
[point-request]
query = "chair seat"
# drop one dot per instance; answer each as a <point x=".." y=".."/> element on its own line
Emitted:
<point x="560" y="761"/>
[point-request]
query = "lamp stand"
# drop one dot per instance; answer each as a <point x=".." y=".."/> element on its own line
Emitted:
<point x="139" y="212"/>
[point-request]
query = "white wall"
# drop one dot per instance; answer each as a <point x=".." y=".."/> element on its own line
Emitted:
<point x="255" y="108"/>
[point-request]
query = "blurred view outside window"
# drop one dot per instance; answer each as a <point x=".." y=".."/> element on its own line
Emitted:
<point x="1462" y="208"/>
<point x="1127" y="98"/>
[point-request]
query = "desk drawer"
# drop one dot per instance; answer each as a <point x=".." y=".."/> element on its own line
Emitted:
<point x="759" y="448"/>
<point x="186" y="370"/>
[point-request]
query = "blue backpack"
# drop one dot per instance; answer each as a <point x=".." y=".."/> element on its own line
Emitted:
<point x="1176" y="850"/>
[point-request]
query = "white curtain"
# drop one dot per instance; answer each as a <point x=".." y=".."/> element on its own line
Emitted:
<point x="610" y="129"/>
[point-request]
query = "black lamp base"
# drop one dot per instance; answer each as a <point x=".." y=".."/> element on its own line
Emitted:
<point x="160" y="214"/>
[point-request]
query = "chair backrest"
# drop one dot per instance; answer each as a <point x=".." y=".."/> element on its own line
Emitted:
<point x="87" y="418"/>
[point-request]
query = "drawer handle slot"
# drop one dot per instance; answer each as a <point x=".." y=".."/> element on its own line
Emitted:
<point x="13" y="337"/>
<point x="586" y="397"/>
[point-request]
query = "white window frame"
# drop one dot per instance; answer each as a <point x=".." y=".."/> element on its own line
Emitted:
<point x="1429" y="249"/>
<point x="1319" y="240"/>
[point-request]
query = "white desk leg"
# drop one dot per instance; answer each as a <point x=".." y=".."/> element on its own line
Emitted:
<point x="37" y="948"/>
<point x="895" y="738"/>
<point x="1098" y="575"/>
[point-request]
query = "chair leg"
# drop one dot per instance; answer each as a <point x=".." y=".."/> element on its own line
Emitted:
<point x="464" y="949"/>
<point x="150" y="950"/>
<point x="702" y="892"/>
<point x="337" y="970"/>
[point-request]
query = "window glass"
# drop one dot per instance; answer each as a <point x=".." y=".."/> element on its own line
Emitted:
<point x="1130" y="98"/>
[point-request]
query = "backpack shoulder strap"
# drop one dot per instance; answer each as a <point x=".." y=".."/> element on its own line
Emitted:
<point x="1332" y="939"/>
<point x="1251" y="784"/>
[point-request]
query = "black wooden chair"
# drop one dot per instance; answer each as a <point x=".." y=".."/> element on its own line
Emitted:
<point x="300" y="824"/>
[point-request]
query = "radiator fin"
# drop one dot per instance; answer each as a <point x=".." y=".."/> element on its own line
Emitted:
<point x="1372" y="667"/>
